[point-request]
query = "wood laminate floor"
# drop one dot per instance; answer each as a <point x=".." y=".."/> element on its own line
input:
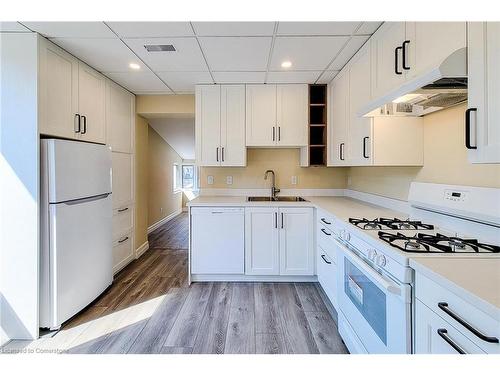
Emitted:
<point x="151" y="309"/>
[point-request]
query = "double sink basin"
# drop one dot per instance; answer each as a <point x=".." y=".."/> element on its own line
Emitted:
<point x="276" y="199"/>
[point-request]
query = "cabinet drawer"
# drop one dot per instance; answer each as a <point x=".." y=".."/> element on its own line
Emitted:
<point x="432" y="295"/>
<point x="122" y="179"/>
<point x="123" y="220"/>
<point x="325" y="219"/>
<point x="434" y="335"/>
<point x="123" y="251"/>
<point x="324" y="237"/>
<point x="327" y="275"/>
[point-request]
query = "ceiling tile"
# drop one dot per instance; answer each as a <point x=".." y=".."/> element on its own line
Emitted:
<point x="239" y="77"/>
<point x="293" y="77"/>
<point x="71" y="29"/>
<point x="349" y="51"/>
<point x="368" y="28"/>
<point x="236" y="53"/>
<point x="185" y="81"/>
<point x="12" y="27"/>
<point x="187" y="56"/>
<point x="105" y="55"/>
<point x="139" y="81"/>
<point x="306" y="53"/>
<point x="317" y="28"/>
<point x="234" y="28"/>
<point x="327" y="76"/>
<point x="151" y="29"/>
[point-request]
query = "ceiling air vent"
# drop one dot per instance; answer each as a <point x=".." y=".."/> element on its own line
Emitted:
<point x="159" y="48"/>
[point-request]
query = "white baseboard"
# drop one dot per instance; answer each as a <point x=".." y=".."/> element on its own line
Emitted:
<point x="379" y="200"/>
<point x="164" y="220"/>
<point x="141" y="249"/>
<point x="269" y="278"/>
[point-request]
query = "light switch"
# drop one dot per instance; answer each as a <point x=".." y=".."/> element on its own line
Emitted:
<point x="294" y="180"/>
<point x="229" y="180"/>
<point x="210" y="180"/>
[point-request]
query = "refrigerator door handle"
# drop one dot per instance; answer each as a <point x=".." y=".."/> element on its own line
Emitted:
<point x="85" y="200"/>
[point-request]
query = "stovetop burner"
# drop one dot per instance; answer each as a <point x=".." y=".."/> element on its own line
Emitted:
<point x="436" y="243"/>
<point x="384" y="223"/>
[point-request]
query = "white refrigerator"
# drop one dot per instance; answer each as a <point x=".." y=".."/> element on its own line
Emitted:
<point x="76" y="236"/>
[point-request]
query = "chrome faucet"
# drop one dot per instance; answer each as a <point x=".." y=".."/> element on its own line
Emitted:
<point x="274" y="190"/>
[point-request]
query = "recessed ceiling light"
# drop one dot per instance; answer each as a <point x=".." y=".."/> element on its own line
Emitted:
<point x="134" y="66"/>
<point x="286" y="64"/>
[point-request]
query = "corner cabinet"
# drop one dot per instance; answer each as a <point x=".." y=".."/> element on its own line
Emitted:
<point x="220" y="125"/>
<point x="482" y="117"/>
<point x="279" y="241"/>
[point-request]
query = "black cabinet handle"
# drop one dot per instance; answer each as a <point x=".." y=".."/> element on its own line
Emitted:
<point x="282" y="220"/>
<point x="279" y="133"/>
<point x="324" y="221"/>
<point x="444" y="335"/>
<point x="364" y="148"/>
<point x="123" y="209"/>
<point x="396" y="60"/>
<point x="84" y="129"/>
<point x="217" y="154"/>
<point x="274" y="133"/>
<point x="341" y="151"/>
<point x="325" y="232"/>
<point x="77" y="127"/>
<point x="405" y="43"/>
<point x="222" y="157"/>
<point x="125" y="239"/>
<point x="276" y="220"/>
<point x="327" y="262"/>
<point x="444" y="306"/>
<point x="467" y="128"/>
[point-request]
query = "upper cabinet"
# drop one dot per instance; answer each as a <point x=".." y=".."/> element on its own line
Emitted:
<point x="72" y="96"/>
<point x="220" y="125"/>
<point x="120" y="118"/>
<point x="482" y="118"/>
<point x="276" y="115"/>
<point x="339" y="119"/>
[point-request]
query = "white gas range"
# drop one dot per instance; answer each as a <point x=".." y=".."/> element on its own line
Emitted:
<point x="375" y="279"/>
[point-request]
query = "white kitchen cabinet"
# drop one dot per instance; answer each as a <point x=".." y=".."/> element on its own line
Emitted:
<point x="327" y="275"/>
<point x="123" y="251"/>
<point x="276" y="115"/>
<point x="482" y="118"/>
<point x="91" y="104"/>
<point x="58" y="91"/>
<point x="220" y="125"/>
<point x="337" y="141"/>
<point x="120" y="118"/>
<point x="261" y="241"/>
<point x="123" y="220"/>
<point x="122" y="181"/>
<point x="296" y="241"/>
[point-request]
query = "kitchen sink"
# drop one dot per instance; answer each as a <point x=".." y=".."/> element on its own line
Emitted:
<point x="277" y="199"/>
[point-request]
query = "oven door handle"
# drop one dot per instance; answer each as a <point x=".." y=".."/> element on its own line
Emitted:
<point x="361" y="264"/>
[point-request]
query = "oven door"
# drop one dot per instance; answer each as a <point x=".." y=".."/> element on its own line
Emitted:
<point x="376" y="308"/>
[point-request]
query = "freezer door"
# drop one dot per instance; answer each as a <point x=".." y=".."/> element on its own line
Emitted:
<point x="75" y="169"/>
<point x="80" y="255"/>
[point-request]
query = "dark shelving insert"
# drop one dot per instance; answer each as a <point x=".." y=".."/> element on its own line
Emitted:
<point x="317" y="124"/>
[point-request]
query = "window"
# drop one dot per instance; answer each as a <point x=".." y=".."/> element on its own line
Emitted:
<point x="177" y="178"/>
<point x="188" y="177"/>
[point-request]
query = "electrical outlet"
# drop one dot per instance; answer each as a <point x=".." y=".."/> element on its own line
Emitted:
<point x="210" y="180"/>
<point x="161" y="209"/>
<point x="229" y="180"/>
<point x="294" y="180"/>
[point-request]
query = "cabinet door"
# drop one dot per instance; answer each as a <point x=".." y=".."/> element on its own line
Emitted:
<point x="360" y="128"/>
<point x="92" y="104"/>
<point x="232" y="128"/>
<point x="261" y="241"/>
<point x="484" y="91"/>
<point x="261" y="115"/>
<point x="122" y="182"/>
<point x="120" y="118"/>
<point x="207" y="128"/>
<point x="327" y="275"/>
<point x="339" y="119"/>
<point x="58" y="97"/>
<point x="296" y="241"/>
<point x="386" y="59"/>
<point x="292" y="124"/>
<point x="429" y="43"/>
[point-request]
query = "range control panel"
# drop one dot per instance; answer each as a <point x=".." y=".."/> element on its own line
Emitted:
<point x="455" y="195"/>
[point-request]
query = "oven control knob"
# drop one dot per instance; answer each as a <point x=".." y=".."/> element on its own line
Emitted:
<point x="381" y="261"/>
<point x="372" y="254"/>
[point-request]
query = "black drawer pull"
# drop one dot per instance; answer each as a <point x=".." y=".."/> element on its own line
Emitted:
<point x="444" y="306"/>
<point x="325" y="232"/>
<point x="84" y="129"/>
<point x="125" y="239"/>
<point x="405" y="43"/>
<point x="467" y="128"/>
<point x="327" y="262"/>
<point x="396" y="60"/>
<point x="324" y="221"/>
<point x="123" y="209"/>
<point x="444" y="335"/>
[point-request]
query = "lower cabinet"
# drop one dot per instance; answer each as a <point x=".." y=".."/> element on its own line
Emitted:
<point x="327" y="275"/>
<point x="279" y="241"/>
<point x="123" y="251"/>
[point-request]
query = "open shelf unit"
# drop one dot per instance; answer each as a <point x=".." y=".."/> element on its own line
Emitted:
<point x="317" y="124"/>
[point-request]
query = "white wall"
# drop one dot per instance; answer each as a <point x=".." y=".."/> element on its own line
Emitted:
<point x="19" y="187"/>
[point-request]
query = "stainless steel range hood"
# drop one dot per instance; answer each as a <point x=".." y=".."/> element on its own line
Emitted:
<point x="435" y="89"/>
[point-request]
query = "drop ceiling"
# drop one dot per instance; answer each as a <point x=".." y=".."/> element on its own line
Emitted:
<point x="207" y="52"/>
